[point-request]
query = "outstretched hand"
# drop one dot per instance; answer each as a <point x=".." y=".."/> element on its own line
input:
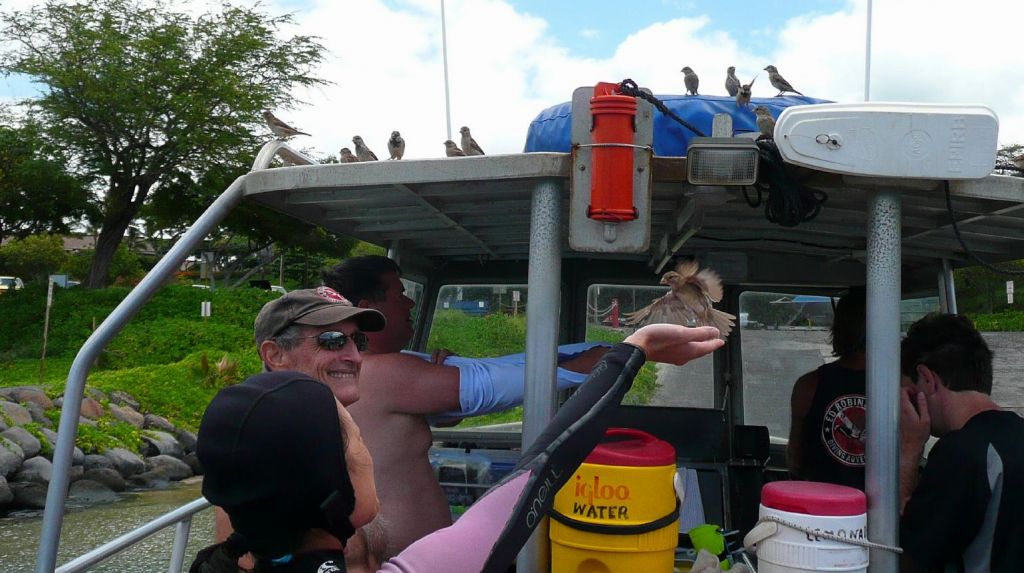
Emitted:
<point x="674" y="344"/>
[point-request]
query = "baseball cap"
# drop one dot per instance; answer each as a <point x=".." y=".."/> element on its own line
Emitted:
<point x="315" y="307"/>
<point x="274" y="459"/>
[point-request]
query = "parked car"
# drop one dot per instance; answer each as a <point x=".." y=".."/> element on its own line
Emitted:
<point x="10" y="283"/>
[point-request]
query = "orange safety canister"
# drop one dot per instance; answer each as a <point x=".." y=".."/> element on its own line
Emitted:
<point x="611" y="178"/>
<point x="619" y="511"/>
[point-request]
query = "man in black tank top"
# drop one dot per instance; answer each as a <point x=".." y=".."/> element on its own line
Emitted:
<point x="828" y="405"/>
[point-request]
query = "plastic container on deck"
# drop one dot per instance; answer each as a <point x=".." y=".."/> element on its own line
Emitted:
<point x="619" y="511"/>
<point x="834" y="509"/>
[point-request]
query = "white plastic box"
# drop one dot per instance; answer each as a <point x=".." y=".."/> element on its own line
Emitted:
<point x="905" y="140"/>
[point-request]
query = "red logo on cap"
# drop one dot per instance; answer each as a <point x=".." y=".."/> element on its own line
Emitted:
<point x="331" y="295"/>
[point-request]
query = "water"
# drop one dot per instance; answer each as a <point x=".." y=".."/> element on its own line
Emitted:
<point x="85" y="529"/>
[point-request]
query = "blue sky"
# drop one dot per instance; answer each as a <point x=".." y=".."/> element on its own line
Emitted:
<point x="573" y="23"/>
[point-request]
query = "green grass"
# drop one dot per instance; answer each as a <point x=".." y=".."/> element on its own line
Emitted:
<point x="1006" y="321"/>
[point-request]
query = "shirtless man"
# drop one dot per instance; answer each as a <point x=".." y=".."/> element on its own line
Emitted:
<point x="398" y="391"/>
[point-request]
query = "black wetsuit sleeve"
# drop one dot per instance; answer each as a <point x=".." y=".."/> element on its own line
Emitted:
<point x="552" y="459"/>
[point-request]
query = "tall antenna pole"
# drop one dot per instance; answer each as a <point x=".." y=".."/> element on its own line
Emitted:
<point x="867" y="58"/>
<point x="444" y="52"/>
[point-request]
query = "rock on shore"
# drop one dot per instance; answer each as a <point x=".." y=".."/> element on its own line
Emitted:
<point x="28" y="437"/>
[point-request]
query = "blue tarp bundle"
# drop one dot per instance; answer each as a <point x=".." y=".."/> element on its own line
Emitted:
<point x="551" y="130"/>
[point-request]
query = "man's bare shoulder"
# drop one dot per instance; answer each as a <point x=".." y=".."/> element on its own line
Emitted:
<point x="408" y="384"/>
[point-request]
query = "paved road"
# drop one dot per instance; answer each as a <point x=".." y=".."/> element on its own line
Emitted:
<point x="773" y="360"/>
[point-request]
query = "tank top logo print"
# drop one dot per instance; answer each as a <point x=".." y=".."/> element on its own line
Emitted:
<point x="842" y="430"/>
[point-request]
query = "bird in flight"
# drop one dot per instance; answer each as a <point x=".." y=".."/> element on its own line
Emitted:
<point x="688" y="302"/>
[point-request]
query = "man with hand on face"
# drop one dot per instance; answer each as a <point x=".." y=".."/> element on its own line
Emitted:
<point x="399" y="391"/>
<point x="965" y="511"/>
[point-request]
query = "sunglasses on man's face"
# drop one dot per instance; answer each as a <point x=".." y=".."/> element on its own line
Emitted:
<point x="334" y="340"/>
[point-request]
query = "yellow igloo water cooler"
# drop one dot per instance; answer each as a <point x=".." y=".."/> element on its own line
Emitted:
<point x="619" y="512"/>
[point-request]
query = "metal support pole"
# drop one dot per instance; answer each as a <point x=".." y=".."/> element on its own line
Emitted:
<point x="53" y="517"/>
<point x="545" y="270"/>
<point x="950" y="287"/>
<point x="394" y="252"/>
<point x="181" y="531"/>
<point x="444" y="56"/>
<point x="943" y="301"/>
<point x="883" y="376"/>
<point x="867" y="56"/>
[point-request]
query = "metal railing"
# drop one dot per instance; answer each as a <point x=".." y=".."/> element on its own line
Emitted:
<point x="181" y="518"/>
<point x="53" y="515"/>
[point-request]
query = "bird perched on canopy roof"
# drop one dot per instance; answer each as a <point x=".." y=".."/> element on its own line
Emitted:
<point x="452" y="150"/>
<point x="744" y="93"/>
<point x="690" y="80"/>
<point x="778" y="81"/>
<point x="347" y="156"/>
<point x="732" y="83"/>
<point x="279" y="128"/>
<point x="469" y="146"/>
<point x="363" y="152"/>
<point x="396" y="145"/>
<point x="765" y="122"/>
<point x="689" y="302"/>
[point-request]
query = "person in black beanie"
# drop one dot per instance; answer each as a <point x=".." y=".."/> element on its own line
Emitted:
<point x="287" y="464"/>
<point x="284" y="460"/>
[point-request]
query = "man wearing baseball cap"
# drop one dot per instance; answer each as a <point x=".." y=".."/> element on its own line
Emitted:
<point x="317" y="333"/>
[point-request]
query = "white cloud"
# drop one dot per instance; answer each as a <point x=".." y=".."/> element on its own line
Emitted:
<point x="589" y="33"/>
<point x="922" y="50"/>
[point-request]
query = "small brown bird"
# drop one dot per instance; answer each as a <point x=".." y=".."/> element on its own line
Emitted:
<point x="279" y="128"/>
<point x="690" y="80"/>
<point x="452" y="150"/>
<point x="778" y="81"/>
<point x="765" y="122"/>
<point x="689" y="303"/>
<point x="346" y="156"/>
<point x="396" y="145"/>
<point x="469" y="146"/>
<point x="732" y="83"/>
<point x="744" y="93"/>
<point x="363" y="152"/>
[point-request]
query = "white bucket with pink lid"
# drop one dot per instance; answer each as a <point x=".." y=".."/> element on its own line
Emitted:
<point x="803" y="527"/>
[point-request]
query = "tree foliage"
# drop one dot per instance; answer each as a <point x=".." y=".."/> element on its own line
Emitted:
<point x="125" y="267"/>
<point x="38" y="194"/>
<point x="33" y="257"/>
<point x="141" y="93"/>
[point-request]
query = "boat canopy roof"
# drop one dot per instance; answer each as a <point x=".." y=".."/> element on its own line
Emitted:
<point x="478" y="209"/>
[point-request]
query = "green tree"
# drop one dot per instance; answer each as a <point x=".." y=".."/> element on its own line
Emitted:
<point x="37" y="192"/>
<point x="139" y="91"/>
<point x="125" y="267"/>
<point x="34" y="257"/>
<point x="1005" y="157"/>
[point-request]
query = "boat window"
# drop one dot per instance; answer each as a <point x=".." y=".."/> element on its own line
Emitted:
<point x="690" y="385"/>
<point x="784" y="336"/>
<point x="480" y="320"/>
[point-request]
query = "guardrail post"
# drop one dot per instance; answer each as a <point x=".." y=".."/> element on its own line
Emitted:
<point x="181" y="531"/>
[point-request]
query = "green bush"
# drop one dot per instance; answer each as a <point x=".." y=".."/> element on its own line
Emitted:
<point x="165" y="340"/>
<point x="75" y="310"/>
<point x="466" y="335"/>
<point x="1006" y="321"/>
<point x="180" y="391"/>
